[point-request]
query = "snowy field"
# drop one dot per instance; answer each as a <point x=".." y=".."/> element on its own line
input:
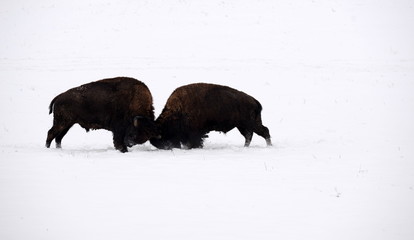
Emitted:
<point x="335" y="78"/>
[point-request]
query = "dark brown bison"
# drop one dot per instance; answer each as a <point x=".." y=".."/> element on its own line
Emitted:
<point x="196" y="109"/>
<point x="121" y="105"/>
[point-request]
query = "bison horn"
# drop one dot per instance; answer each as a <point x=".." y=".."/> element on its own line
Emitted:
<point x="136" y="118"/>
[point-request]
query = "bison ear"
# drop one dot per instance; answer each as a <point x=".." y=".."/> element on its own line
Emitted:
<point x="136" y="119"/>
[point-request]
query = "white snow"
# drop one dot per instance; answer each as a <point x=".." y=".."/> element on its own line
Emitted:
<point x="335" y="78"/>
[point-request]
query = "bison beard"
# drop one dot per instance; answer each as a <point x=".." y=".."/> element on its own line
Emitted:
<point x="121" y="105"/>
<point x="194" y="110"/>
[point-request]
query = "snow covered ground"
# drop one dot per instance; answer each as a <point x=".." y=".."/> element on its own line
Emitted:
<point x="335" y="78"/>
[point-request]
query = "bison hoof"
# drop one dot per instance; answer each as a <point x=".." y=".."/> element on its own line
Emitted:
<point x="269" y="142"/>
<point x="123" y="150"/>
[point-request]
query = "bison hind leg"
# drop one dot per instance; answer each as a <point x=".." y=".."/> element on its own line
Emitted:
<point x="264" y="132"/>
<point x="57" y="132"/>
<point x="51" y="134"/>
<point x="60" y="136"/>
<point x="261" y="130"/>
<point x="247" y="134"/>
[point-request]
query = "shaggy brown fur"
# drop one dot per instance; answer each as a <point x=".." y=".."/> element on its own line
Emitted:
<point x="121" y="105"/>
<point x="196" y="109"/>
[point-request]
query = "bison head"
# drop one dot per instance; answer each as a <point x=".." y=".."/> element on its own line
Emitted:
<point x="141" y="130"/>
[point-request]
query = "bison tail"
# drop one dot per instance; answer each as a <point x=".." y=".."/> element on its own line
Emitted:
<point x="51" y="105"/>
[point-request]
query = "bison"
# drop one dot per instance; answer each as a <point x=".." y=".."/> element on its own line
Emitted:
<point x="121" y="105"/>
<point x="194" y="110"/>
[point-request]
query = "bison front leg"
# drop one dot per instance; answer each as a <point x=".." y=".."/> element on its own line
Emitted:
<point x="194" y="142"/>
<point x="119" y="141"/>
